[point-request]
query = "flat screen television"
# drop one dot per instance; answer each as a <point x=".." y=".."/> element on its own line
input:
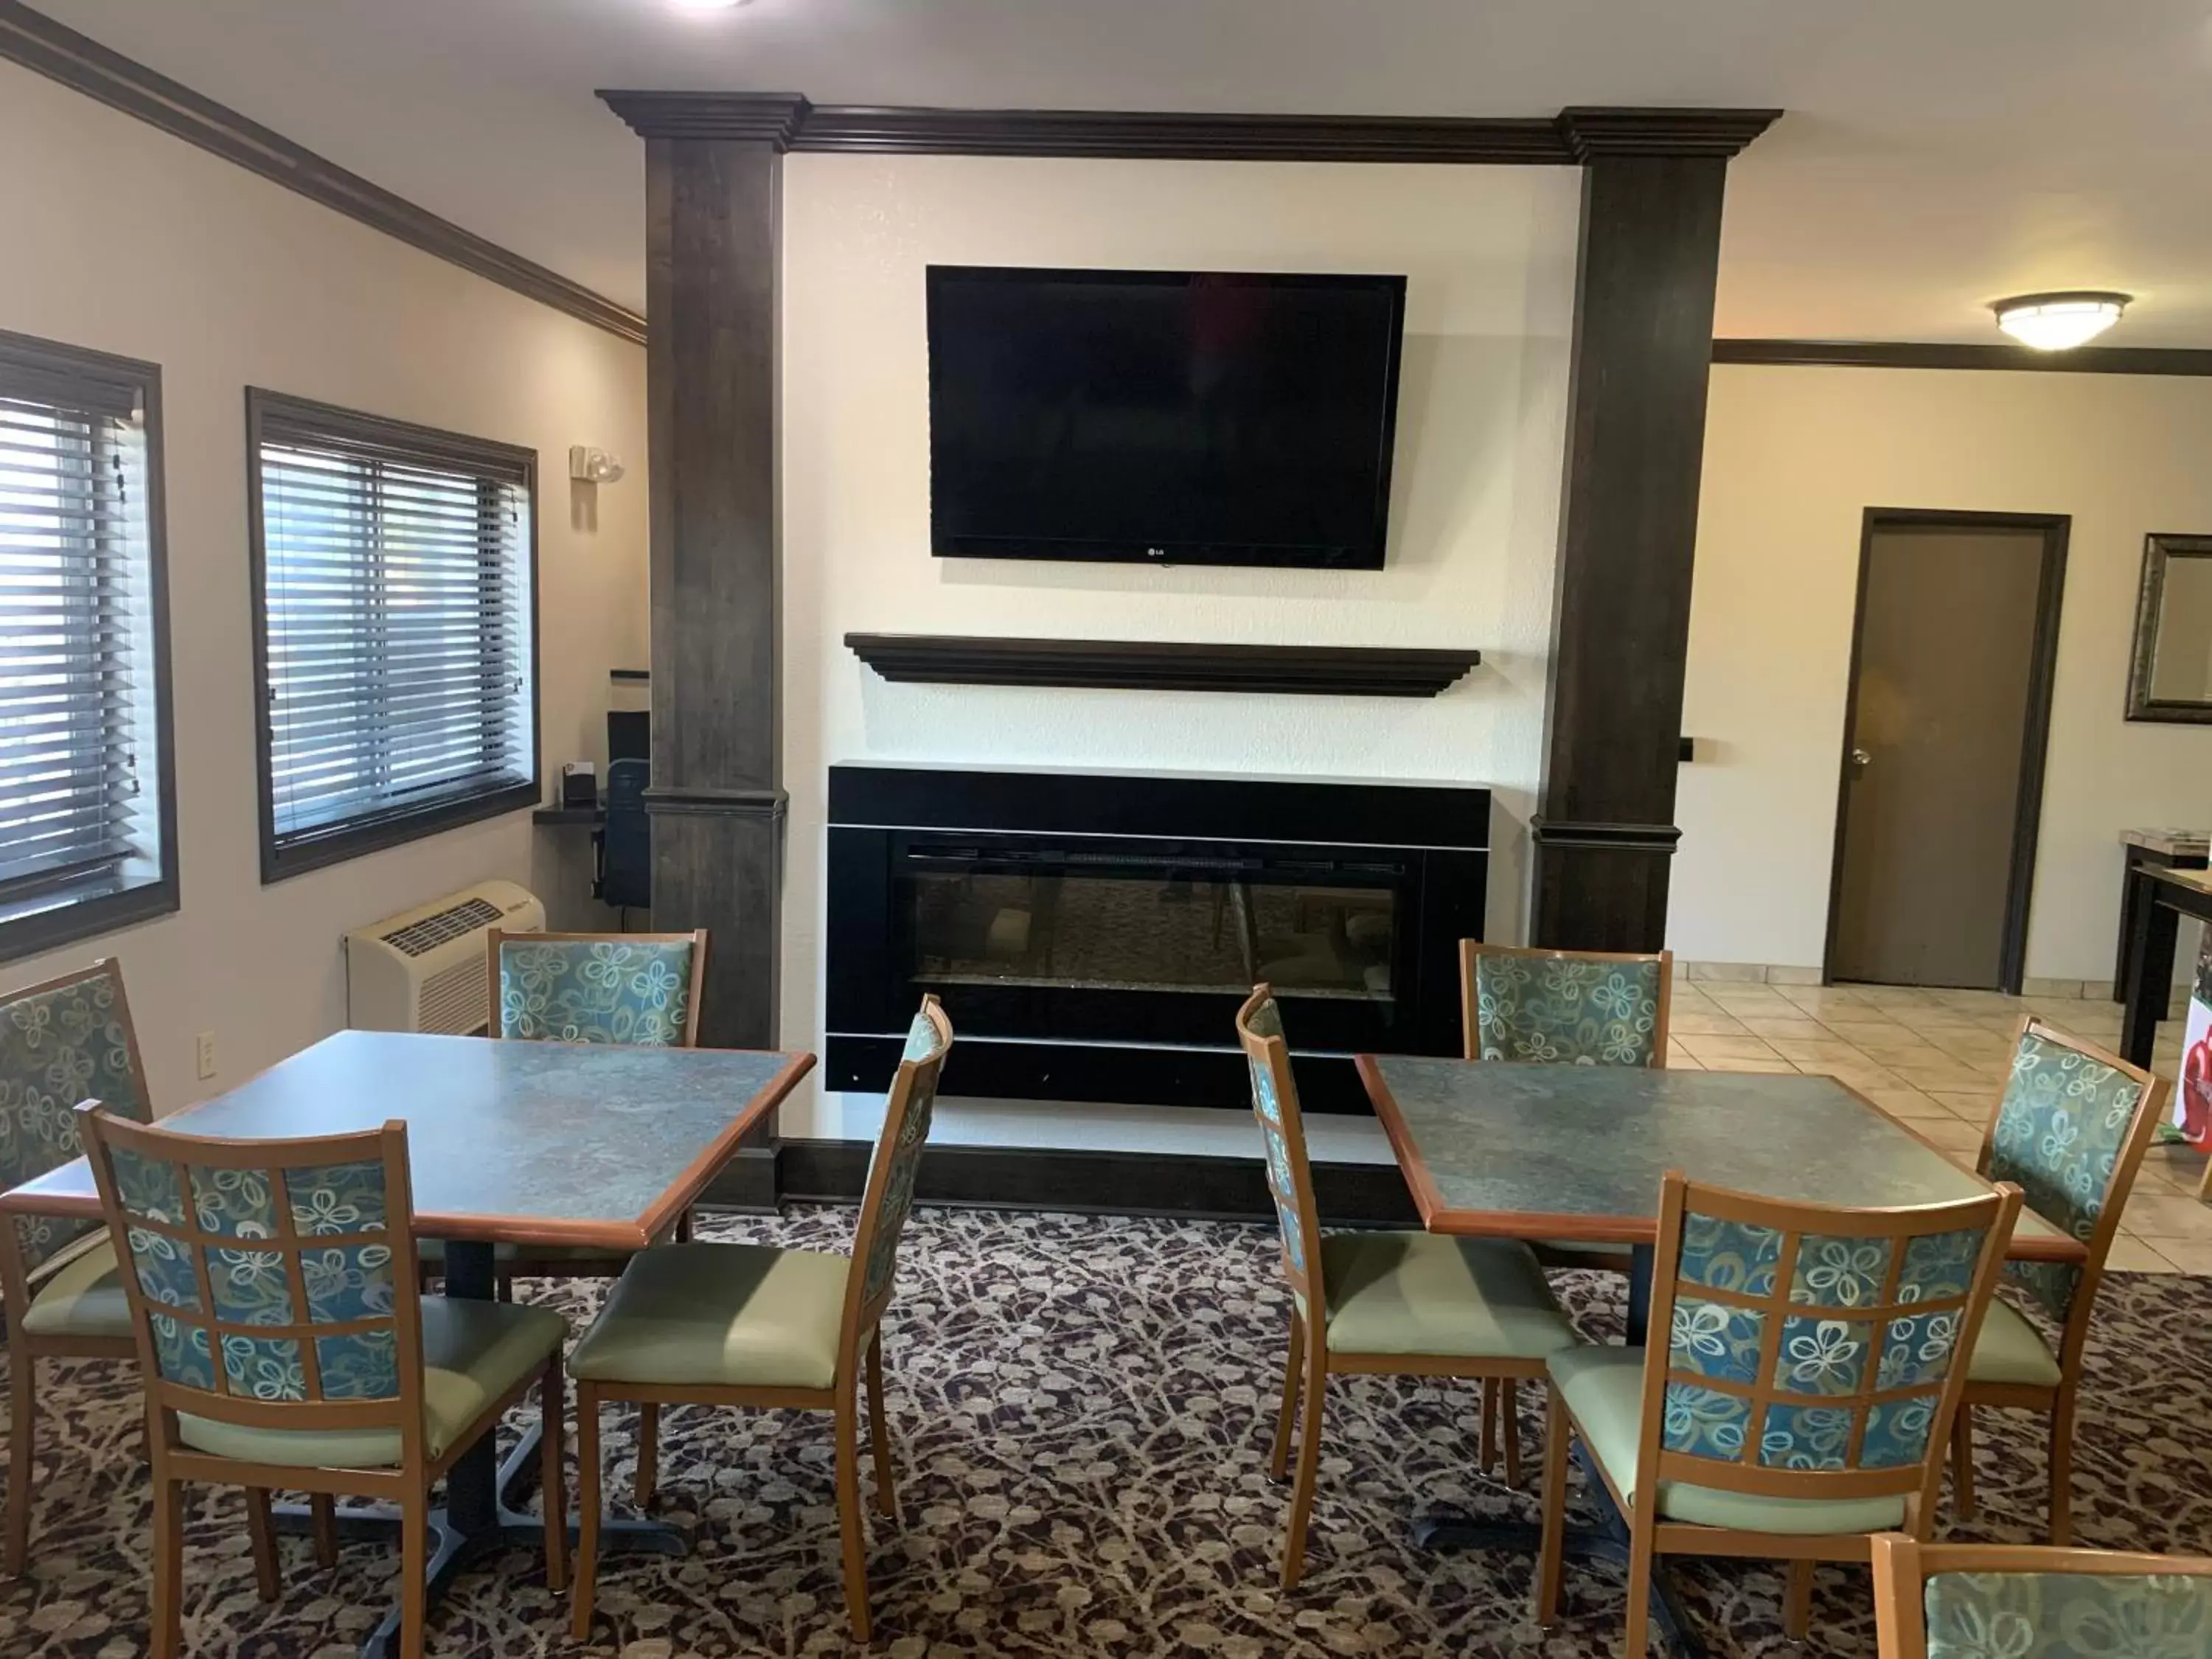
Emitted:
<point x="1198" y="417"/>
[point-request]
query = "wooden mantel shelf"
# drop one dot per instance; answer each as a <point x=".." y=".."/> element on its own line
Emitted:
<point x="1164" y="666"/>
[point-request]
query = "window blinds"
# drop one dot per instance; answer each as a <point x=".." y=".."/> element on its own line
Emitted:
<point x="79" y="771"/>
<point x="398" y="624"/>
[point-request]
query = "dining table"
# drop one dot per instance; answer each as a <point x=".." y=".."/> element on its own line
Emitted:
<point x="1575" y="1154"/>
<point x="536" y="1145"/>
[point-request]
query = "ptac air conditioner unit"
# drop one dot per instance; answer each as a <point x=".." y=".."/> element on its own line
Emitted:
<point x="424" y="971"/>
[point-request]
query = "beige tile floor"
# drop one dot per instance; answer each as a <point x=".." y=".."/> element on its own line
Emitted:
<point x="1936" y="1058"/>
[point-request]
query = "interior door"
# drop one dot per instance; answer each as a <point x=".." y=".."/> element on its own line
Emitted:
<point x="1943" y="750"/>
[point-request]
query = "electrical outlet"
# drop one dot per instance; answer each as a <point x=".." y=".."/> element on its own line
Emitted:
<point x="203" y="1055"/>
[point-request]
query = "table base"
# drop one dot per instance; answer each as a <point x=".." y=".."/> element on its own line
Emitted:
<point x="456" y="1548"/>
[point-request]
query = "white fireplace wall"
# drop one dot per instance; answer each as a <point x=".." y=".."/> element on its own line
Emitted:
<point x="1489" y="255"/>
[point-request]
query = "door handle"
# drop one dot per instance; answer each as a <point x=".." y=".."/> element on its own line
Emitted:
<point x="1860" y="759"/>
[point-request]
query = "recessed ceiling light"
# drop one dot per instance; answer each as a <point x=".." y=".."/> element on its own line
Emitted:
<point x="2059" y="322"/>
<point x="708" y="5"/>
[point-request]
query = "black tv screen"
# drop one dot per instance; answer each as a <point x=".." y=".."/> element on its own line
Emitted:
<point x="1201" y="417"/>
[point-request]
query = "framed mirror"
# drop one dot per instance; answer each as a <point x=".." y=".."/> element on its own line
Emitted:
<point x="2170" y="678"/>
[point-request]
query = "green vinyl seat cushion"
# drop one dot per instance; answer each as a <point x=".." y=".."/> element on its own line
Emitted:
<point x="1430" y="1293"/>
<point x="1604" y="1390"/>
<point x="2010" y="1350"/>
<point x="82" y="1297"/>
<point x="472" y="1353"/>
<point x="737" y="1315"/>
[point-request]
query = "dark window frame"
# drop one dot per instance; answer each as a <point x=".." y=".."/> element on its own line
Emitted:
<point x="375" y="832"/>
<point x="97" y="913"/>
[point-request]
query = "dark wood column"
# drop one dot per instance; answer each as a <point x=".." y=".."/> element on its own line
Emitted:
<point x="713" y="176"/>
<point x="1604" y="832"/>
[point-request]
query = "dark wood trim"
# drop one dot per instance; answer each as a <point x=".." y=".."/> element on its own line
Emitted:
<point x="1660" y="838"/>
<point x="2159" y="549"/>
<point x="105" y="912"/>
<point x="1163" y="665"/>
<point x="82" y="65"/>
<point x="1687" y="751"/>
<point x="787" y="121"/>
<point x="2027" y="812"/>
<point x="1909" y="354"/>
<point x="1097" y="1182"/>
<point x="375" y="832"/>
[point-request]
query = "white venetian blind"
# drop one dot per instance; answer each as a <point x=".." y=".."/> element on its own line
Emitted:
<point x="399" y="611"/>
<point x="78" y="746"/>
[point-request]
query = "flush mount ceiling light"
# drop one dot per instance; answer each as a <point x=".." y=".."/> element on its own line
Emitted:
<point x="2059" y="322"/>
<point x="708" y="5"/>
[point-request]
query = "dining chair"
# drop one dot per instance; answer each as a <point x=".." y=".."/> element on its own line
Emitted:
<point x="2071" y="1126"/>
<point x="1400" y="1303"/>
<point x="1564" y="1008"/>
<point x="278" y="1351"/>
<point x="60" y="1042"/>
<point x="710" y="1324"/>
<point x="2026" y="1601"/>
<point x="1801" y="1399"/>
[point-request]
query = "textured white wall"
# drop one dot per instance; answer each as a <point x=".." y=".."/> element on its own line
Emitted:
<point x="1793" y="457"/>
<point x="154" y="249"/>
<point x="1489" y="252"/>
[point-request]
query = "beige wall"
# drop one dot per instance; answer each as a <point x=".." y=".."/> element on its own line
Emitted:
<point x="146" y="247"/>
<point x="1793" y="457"/>
<point x="1489" y="252"/>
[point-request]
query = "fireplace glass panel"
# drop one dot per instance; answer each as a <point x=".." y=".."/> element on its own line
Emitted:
<point x="1178" y="928"/>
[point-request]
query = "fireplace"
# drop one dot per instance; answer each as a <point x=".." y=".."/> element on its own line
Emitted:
<point x="1091" y="935"/>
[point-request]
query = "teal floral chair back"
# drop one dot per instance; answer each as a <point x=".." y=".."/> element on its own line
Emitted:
<point x="264" y="1273"/>
<point x="906" y="1130"/>
<point x="2068" y="1615"/>
<point x="638" y="989"/>
<point x="2062" y="1135"/>
<point x="1563" y="1008"/>
<point x="1282" y="1136"/>
<point x="1803" y="1338"/>
<point x="61" y="1042"/>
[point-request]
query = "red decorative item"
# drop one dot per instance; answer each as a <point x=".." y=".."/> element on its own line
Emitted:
<point x="2196" y="1102"/>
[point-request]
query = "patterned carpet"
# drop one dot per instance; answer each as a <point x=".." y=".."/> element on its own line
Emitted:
<point x="1081" y="1408"/>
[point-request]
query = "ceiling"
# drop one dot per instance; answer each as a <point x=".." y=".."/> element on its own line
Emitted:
<point x="1938" y="153"/>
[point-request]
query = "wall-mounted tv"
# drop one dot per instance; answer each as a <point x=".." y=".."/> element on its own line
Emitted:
<point x="1198" y="417"/>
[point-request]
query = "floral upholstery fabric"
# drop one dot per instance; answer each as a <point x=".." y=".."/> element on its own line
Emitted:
<point x="1568" y="1011"/>
<point x="56" y="1048"/>
<point x="1266" y="1021"/>
<point x="1880" y="1316"/>
<point x="254" y="1281"/>
<point x="2063" y="1120"/>
<point x="924" y="1051"/>
<point x="595" y="990"/>
<point x="2067" y="1615"/>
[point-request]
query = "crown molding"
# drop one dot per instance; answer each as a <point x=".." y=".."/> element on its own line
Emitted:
<point x="1909" y="354"/>
<point x="82" y="65"/>
<point x="787" y="121"/>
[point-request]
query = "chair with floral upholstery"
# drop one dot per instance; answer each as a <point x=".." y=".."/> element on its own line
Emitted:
<point x="60" y="1042"/>
<point x="2071" y="1126"/>
<point x="1561" y="1008"/>
<point x="1801" y="1403"/>
<point x="1400" y="1303"/>
<point x="281" y="1344"/>
<point x="752" y="1324"/>
<point x="2016" y="1601"/>
<point x="641" y="988"/>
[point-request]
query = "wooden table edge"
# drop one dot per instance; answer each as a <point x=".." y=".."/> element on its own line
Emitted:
<point x="1437" y="1217"/>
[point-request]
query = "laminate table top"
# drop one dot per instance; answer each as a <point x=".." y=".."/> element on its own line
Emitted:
<point x="511" y="1142"/>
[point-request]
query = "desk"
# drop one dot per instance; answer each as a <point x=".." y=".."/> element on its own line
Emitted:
<point x="2162" y="898"/>
<point x="544" y="1143"/>
<point x="1575" y="1153"/>
<point x="2151" y="849"/>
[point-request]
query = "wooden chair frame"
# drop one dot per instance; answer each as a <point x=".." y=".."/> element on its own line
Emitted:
<point x="1619" y="1261"/>
<point x="407" y="1484"/>
<point x="19" y="1283"/>
<point x="1917" y="1484"/>
<point x="860" y="1363"/>
<point x="2057" y="1404"/>
<point x="1312" y="1362"/>
<point x="1903" y="1565"/>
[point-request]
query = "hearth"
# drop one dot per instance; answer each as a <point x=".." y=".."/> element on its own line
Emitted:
<point x="1091" y="934"/>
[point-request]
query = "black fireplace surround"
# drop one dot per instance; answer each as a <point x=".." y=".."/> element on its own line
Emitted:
<point x="1091" y="935"/>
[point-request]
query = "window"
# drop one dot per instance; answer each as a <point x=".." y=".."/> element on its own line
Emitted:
<point x="395" y="575"/>
<point x="87" y="816"/>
